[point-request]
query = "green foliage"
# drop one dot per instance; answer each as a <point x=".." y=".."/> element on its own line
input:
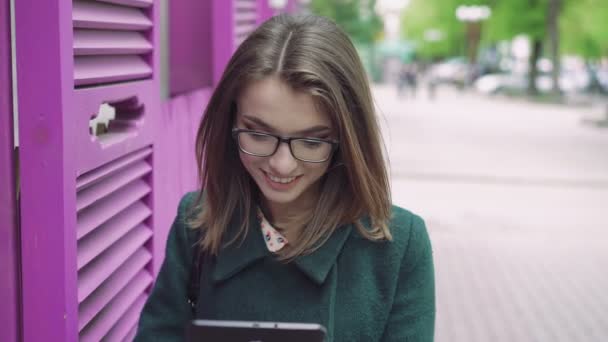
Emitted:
<point x="583" y="28"/>
<point x="356" y="17"/>
<point x="514" y="17"/>
<point x="583" y="24"/>
<point x="424" y="16"/>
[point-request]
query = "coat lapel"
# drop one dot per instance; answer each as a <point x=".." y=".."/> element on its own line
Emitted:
<point x="243" y="252"/>
<point x="318" y="264"/>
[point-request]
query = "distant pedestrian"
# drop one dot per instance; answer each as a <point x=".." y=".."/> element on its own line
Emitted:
<point x="407" y="84"/>
<point x="431" y="85"/>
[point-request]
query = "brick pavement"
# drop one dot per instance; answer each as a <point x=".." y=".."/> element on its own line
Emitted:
<point x="521" y="254"/>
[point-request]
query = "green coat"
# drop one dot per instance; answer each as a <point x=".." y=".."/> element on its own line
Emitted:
<point x="358" y="289"/>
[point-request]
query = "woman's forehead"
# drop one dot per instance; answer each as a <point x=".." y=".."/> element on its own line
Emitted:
<point x="275" y="103"/>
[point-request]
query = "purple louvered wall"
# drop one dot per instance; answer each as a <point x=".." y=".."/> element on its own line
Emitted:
<point x="111" y="41"/>
<point x="98" y="198"/>
<point x="9" y="251"/>
<point x="92" y="213"/>
<point x="113" y="227"/>
<point x="245" y="19"/>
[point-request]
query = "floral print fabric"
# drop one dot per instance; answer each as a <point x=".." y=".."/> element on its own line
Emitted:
<point x="274" y="240"/>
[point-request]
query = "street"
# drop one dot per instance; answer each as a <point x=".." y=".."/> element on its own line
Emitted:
<point x="515" y="197"/>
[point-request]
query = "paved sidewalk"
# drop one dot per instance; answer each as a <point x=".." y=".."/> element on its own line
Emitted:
<point x="515" y="197"/>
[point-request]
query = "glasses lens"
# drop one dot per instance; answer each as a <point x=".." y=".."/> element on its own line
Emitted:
<point x="311" y="150"/>
<point x="257" y="143"/>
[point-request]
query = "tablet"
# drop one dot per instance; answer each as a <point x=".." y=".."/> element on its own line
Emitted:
<point x="243" y="331"/>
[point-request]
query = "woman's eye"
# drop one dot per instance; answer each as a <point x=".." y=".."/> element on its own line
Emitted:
<point x="259" y="137"/>
<point x="312" y="143"/>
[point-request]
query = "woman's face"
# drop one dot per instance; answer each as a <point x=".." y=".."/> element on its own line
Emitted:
<point x="272" y="106"/>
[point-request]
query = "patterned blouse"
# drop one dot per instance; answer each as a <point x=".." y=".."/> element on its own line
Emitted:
<point x="274" y="240"/>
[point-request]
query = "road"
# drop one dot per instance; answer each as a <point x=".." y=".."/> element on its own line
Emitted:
<point x="515" y="196"/>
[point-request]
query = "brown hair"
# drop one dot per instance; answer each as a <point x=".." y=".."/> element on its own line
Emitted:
<point x="312" y="55"/>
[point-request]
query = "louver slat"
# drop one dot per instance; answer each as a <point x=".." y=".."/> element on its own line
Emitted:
<point x="98" y="15"/>
<point x="127" y="322"/>
<point x="93" y="275"/>
<point x="133" y="3"/>
<point x="92" y="217"/>
<point x="103" y="237"/>
<point x="98" y="42"/>
<point x="90" y="70"/>
<point x="244" y="29"/>
<point x="246" y="17"/>
<point x="104" y="321"/>
<point x="107" y="186"/>
<point x="245" y="5"/>
<point x="107" y="169"/>
<point x="111" y="287"/>
<point x="131" y="335"/>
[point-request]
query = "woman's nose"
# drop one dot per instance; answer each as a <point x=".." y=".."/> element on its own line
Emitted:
<point x="282" y="161"/>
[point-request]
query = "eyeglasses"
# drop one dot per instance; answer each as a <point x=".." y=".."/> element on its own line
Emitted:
<point x="312" y="150"/>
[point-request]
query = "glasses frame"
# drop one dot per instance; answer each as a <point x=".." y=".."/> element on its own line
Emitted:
<point x="287" y="140"/>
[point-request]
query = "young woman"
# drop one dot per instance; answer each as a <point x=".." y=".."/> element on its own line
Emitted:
<point x="294" y="222"/>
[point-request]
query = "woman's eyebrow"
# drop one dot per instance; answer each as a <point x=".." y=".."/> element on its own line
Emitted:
<point x="264" y="125"/>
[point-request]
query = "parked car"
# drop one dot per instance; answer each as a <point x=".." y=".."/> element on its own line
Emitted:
<point x="569" y="82"/>
<point x="452" y="71"/>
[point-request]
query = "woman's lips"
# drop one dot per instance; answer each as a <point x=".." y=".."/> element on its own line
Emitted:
<point x="279" y="185"/>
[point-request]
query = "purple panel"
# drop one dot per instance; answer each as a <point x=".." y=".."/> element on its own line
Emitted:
<point x="9" y="283"/>
<point x="190" y="63"/>
<point x="175" y="171"/>
<point x="94" y="152"/>
<point x="48" y="246"/>
<point x="223" y="36"/>
<point x="292" y="6"/>
<point x="264" y="11"/>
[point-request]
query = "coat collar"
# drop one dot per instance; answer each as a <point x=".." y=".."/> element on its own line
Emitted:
<point x="318" y="264"/>
<point x="237" y="256"/>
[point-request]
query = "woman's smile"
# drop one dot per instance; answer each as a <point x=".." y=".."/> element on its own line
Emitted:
<point x="281" y="183"/>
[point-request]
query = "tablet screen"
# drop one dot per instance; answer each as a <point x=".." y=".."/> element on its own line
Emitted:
<point x="244" y="331"/>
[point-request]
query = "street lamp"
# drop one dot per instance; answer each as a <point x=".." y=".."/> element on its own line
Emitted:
<point x="472" y="16"/>
<point x="473" y="13"/>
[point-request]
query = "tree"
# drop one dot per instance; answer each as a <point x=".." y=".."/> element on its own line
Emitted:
<point x="423" y="17"/>
<point x="511" y="18"/>
<point x="554" y="11"/>
<point x="584" y="28"/>
<point x="356" y="17"/>
<point x="586" y="34"/>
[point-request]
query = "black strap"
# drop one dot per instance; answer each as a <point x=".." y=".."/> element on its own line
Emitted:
<point x="194" y="283"/>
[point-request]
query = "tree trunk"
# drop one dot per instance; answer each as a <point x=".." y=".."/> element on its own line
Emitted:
<point x="553" y="29"/>
<point x="537" y="46"/>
